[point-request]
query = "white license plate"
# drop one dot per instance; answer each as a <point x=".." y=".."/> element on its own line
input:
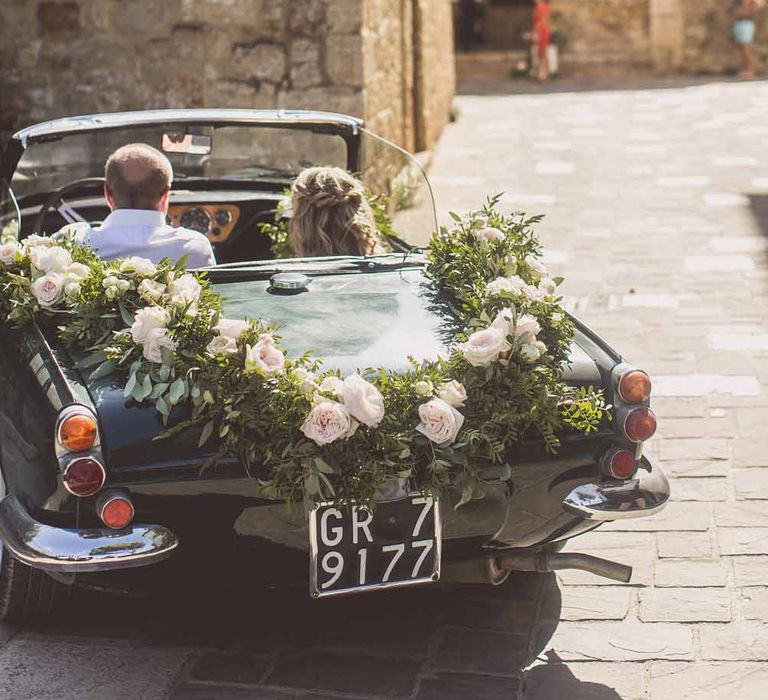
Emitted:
<point x="353" y="550"/>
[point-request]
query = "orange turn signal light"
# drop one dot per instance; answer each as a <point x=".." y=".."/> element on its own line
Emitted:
<point x="635" y="386"/>
<point x="78" y="432"/>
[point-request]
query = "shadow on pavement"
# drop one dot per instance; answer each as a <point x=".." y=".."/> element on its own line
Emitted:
<point x="758" y="203"/>
<point x="522" y="86"/>
<point x="555" y="680"/>
<point x="461" y="643"/>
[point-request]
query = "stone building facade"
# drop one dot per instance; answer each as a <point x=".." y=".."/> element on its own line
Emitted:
<point x="614" y="37"/>
<point x="388" y="61"/>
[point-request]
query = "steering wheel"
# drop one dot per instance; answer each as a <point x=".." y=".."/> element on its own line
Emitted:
<point x="56" y="201"/>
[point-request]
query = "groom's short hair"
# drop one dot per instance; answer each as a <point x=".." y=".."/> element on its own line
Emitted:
<point x="137" y="176"/>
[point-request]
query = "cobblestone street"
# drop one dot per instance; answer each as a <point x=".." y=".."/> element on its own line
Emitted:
<point x="656" y="204"/>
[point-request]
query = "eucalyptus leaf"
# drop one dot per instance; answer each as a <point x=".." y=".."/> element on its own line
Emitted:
<point x="127" y="318"/>
<point x="130" y="385"/>
<point x="92" y="360"/>
<point x="177" y="391"/>
<point x="162" y="406"/>
<point x="103" y="370"/>
<point x="206" y="433"/>
<point x="322" y="466"/>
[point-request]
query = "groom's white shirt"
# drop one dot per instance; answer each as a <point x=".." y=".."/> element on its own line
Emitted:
<point x="145" y="233"/>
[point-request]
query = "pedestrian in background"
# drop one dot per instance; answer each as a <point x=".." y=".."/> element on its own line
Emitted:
<point x="744" y="33"/>
<point x="542" y="36"/>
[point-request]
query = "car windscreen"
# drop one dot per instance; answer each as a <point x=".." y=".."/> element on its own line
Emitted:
<point x="237" y="153"/>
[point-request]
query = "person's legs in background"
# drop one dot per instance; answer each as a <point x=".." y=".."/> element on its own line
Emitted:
<point x="744" y="35"/>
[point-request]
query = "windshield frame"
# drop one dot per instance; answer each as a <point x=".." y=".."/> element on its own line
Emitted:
<point x="348" y="128"/>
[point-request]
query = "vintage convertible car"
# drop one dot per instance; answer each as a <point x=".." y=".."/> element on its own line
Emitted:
<point x="151" y="511"/>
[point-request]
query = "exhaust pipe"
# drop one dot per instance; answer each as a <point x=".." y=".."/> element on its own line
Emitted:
<point x="544" y="562"/>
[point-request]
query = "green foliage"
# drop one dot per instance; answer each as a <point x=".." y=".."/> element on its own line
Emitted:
<point x="243" y="409"/>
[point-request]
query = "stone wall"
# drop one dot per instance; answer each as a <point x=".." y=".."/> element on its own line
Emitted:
<point x="63" y="57"/>
<point x="616" y="37"/>
<point x="690" y="36"/>
<point x="708" y="46"/>
<point x="603" y="35"/>
<point x="434" y="69"/>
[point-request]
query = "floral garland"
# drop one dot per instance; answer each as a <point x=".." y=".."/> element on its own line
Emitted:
<point x="311" y="434"/>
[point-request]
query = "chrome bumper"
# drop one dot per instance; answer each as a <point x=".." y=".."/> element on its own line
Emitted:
<point x="640" y="497"/>
<point x="60" y="549"/>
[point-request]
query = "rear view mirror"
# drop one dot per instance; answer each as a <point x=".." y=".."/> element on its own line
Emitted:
<point x="193" y="144"/>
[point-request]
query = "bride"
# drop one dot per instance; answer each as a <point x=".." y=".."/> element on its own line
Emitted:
<point x="331" y="215"/>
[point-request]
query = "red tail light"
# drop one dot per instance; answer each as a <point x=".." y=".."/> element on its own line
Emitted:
<point x="635" y="386"/>
<point x="84" y="477"/>
<point x="640" y="424"/>
<point x="116" y="511"/>
<point x="620" y="464"/>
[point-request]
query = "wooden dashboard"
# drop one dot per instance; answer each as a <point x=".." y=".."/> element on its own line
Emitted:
<point x="217" y="221"/>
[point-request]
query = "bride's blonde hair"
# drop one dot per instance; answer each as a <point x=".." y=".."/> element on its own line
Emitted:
<point x="331" y="214"/>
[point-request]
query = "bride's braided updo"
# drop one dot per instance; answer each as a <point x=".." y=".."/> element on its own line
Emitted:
<point x="331" y="214"/>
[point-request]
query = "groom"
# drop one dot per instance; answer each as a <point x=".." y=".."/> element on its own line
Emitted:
<point x="138" y="182"/>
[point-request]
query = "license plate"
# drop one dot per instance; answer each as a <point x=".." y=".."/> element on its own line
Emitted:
<point x="353" y="550"/>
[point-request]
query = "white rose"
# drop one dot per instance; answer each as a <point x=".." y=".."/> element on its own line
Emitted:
<point x="548" y="285"/>
<point x="305" y="379"/>
<point x="332" y="384"/>
<point x="148" y="319"/>
<point x="134" y="265"/>
<point x="526" y="329"/>
<point x="363" y="400"/>
<point x="453" y="393"/>
<point x="231" y="328"/>
<point x="327" y="422"/>
<point x="72" y="290"/>
<point x="222" y="345"/>
<point x="50" y="259"/>
<point x="423" y="388"/>
<point x="184" y="290"/>
<point x="284" y="208"/>
<point x="505" y="284"/>
<point x="529" y="353"/>
<point x="541" y="346"/>
<point x="48" y="289"/>
<point x="8" y="252"/>
<point x="77" y="272"/>
<point x="155" y="342"/>
<point x="151" y="290"/>
<point x="504" y="321"/>
<point x="484" y="347"/>
<point x="109" y="281"/>
<point x="489" y="234"/>
<point x="535" y="293"/>
<point x="264" y="357"/>
<point x="123" y="285"/>
<point x="35" y="240"/>
<point x="440" y="421"/>
<point x="537" y="266"/>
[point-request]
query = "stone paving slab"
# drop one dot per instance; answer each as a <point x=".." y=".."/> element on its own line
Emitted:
<point x="713" y="681"/>
<point x="43" y="669"/>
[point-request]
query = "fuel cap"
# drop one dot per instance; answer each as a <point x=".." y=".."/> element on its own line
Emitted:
<point x="289" y="282"/>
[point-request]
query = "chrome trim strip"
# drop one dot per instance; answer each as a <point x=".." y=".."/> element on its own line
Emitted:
<point x="645" y="495"/>
<point x="112" y="120"/>
<point x="61" y="549"/>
